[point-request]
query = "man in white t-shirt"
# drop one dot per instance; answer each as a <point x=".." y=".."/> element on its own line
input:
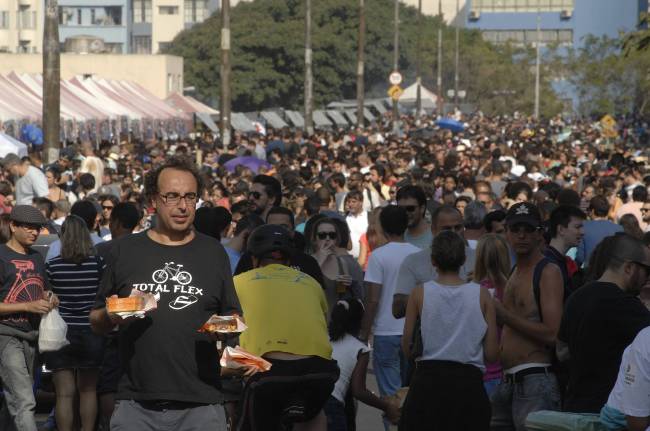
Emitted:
<point x="357" y="219"/>
<point x="631" y="393"/>
<point x="380" y="283"/>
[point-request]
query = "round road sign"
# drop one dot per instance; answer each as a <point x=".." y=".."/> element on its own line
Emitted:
<point x="395" y="78"/>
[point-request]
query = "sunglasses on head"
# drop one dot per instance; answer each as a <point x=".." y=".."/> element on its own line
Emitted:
<point x="255" y="195"/>
<point x="325" y="235"/>
<point x="409" y="208"/>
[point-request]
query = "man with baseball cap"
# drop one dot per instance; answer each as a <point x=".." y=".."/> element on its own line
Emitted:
<point x="22" y="301"/>
<point x="531" y="313"/>
<point x="31" y="181"/>
<point x="285" y="313"/>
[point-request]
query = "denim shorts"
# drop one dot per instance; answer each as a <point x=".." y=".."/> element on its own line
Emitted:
<point x="86" y="350"/>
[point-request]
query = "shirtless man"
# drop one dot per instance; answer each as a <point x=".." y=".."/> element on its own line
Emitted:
<point x="529" y="331"/>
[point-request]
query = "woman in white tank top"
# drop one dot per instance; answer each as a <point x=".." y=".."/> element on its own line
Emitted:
<point x="459" y="333"/>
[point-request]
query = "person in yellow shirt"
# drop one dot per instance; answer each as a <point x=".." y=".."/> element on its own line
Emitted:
<point x="285" y="313"/>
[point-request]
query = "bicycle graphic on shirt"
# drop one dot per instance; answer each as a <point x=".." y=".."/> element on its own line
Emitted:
<point x="174" y="271"/>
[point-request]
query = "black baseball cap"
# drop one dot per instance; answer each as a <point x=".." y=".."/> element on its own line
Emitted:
<point x="524" y="213"/>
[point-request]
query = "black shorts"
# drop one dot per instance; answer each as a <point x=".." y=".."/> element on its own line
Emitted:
<point x="291" y="391"/>
<point x="86" y="350"/>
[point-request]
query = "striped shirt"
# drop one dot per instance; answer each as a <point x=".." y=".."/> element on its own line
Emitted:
<point x="76" y="286"/>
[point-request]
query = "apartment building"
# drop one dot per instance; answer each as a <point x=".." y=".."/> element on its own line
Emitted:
<point x="21" y="26"/>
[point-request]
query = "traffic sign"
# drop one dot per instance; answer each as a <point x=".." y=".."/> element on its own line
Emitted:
<point x="395" y="78"/>
<point x="395" y="92"/>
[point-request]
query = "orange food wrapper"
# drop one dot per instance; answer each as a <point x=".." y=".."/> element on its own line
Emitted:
<point x="224" y="325"/>
<point x="150" y="304"/>
<point x="238" y="359"/>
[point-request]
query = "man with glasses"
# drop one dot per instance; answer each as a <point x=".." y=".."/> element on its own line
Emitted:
<point x="171" y="376"/>
<point x="22" y="302"/>
<point x="417" y="267"/>
<point x="530" y="314"/>
<point x="265" y="193"/>
<point x="414" y="201"/>
<point x="600" y="320"/>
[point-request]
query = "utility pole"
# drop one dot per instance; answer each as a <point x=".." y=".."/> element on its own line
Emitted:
<point x="439" y="102"/>
<point x="360" y="63"/>
<point x="309" y="79"/>
<point x="418" y="71"/>
<point x="457" y="54"/>
<point x="396" y="66"/>
<point x="225" y="70"/>
<point x="537" y="61"/>
<point x="51" y="83"/>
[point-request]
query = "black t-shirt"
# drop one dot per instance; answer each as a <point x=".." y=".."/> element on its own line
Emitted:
<point x="163" y="355"/>
<point x="600" y="320"/>
<point x="299" y="260"/>
<point x="22" y="279"/>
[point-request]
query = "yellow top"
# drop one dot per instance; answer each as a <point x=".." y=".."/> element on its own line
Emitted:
<point x="284" y="310"/>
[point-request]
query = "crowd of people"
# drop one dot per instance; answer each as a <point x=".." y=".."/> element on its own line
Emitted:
<point x="497" y="273"/>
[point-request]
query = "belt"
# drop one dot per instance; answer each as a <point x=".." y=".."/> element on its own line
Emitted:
<point x="161" y="405"/>
<point x="518" y="377"/>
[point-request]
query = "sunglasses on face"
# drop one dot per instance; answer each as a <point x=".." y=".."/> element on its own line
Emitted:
<point x="409" y="208"/>
<point x="325" y="235"/>
<point x="107" y="207"/>
<point x="29" y="226"/>
<point x="522" y="228"/>
<point x="255" y="195"/>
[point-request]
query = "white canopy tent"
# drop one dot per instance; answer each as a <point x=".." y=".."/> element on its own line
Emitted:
<point x="9" y="145"/>
<point x="409" y="96"/>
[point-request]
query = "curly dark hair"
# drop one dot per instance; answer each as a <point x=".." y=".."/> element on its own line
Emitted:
<point x="175" y="162"/>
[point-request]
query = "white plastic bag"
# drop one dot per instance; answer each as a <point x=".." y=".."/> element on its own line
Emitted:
<point x="52" y="332"/>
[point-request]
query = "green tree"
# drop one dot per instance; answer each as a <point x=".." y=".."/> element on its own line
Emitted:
<point x="267" y="57"/>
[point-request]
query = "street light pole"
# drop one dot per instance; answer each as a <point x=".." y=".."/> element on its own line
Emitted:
<point x="537" y="61"/>
<point x="224" y="72"/>
<point x="309" y="82"/>
<point x="51" y="83"/>
<point x="457" y="54"/>
<point x="439" y="102"/>
<point x="396" y="66"/>
<point x="418" y="78"/>
<point x="360" y="62"/>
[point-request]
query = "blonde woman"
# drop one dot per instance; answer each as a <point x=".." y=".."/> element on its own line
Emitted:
<point x="491" y="271"/>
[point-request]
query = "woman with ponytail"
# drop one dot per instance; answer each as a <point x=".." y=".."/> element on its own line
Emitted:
<point x="352" y="356"/>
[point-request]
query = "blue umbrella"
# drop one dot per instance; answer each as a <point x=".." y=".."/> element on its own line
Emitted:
<point x="32" y="134"/>
<point x="252" y="163"/>
<point x="450" y="124"/>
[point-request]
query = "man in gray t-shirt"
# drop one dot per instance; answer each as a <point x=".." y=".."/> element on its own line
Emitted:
<point x="31" y="181"/>
<point x="417" y="267"/>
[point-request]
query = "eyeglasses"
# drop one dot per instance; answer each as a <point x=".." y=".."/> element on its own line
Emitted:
<point x="325" y="235"/>
<point x="108" y="207"/>
<point x="29" y="226"/>
<point x="173" y="198"/>
<point x="409" y="208"/>
<point x="255" y="195"/>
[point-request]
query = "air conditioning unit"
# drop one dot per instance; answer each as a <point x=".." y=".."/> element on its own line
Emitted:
<point x="474" y="15"/>
<point x="566" y="14"/>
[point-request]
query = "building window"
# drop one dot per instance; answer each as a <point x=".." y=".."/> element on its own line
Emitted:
<point x="109" y="16"/>
<point x="168" y="10"/>
<point x="141" y="45"/>
<point x="522" y="5"/>
<point x="4" y="19"/>
<point x="26" y="18"/>
<point x="162" y="46"/>
<point x="141" y="11"/>
<point x="196" y="10"/>
<point x="528" y="37"/>
<point x="113" y="48"/>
